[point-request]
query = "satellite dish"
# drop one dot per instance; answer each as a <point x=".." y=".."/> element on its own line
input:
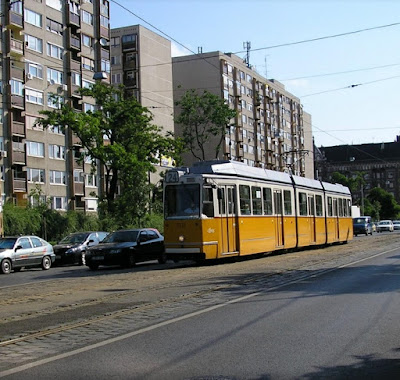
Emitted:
<point x="103" y="42"/>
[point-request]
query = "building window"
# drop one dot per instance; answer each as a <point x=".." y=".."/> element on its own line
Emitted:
<point x="76" y="79"/>
<point x="57" y="177"/>
<point x="128" y="38"/>
<point x="115" y="41"/>
<point x="16" y="6"/>
<point x="87" y="64"/>
<point x="54" y="76"/>
<point x="33" y="18"/>
<point x="1" y="115"/>
<point x="17" y="87"/>
<point x="57" y="129"/>
<point x="36" y="175"/>
<point x="87" y="17"/>
<point x="104" y="21"/>
<point x="54" y="101"/>
<point x="34" y="70"/>
<point x="88" y="107"/>
<point x="87" y="84"/>
<point x="115" y="60"/>
<point x="34" y="96"/>
<point x="91" y="180"/>
<point x="57" y="152"/>
<point x="115" y="78"/>
<point x="54" y="27"/>
<point x="35" y="149"/>
<point x="104" y="7"/>
<point x="87" y="40"/>
<point x="56" y="4"/>
<point x="54" y="51"/>
<point x="34" y="43"/>
<point x="59" y="203"/>
<point x="78" y="176"/>
<point x="74" y="8"/>
<point x="105" y="65"/>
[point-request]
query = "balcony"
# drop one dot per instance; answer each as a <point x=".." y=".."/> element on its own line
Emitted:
<point x="18" y="128"/>
<point x="17" y="102"/>
<point x="73" y="19"/>
<point x="74" y="42"/>
<point x="130" y="64"/>
<point x="15" y="20"/>
<point x="79" y="188"/>
<point x="20" y="185"/>
<point x="16" y="46"/>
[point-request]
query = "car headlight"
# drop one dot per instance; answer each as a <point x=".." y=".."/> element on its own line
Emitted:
<point x="116" y="251"/>
<point x="181" y="238"/>
<point x="73" y="250"/>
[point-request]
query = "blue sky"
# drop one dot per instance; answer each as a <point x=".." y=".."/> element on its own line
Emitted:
<point x="366" y="113"/>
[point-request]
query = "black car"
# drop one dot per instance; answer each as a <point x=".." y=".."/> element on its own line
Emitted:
<point x="362" y="225"/>
<point x="127" y="247"/>
<point x="72" y="248"/>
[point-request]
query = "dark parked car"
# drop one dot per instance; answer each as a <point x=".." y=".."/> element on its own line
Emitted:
<point x="72" y="248"/>
<point x="25" y="251"/>
<point x="362" y="225"/>
<point x="127" y="247"/>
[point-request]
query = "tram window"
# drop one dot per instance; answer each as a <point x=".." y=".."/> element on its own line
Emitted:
<point x="221" y="200"/>
<point x="318" y="205"/>
<point x="244" y="193"/>
<point x="287" y="202"/>
<point x="334" y="208"/>
<point x="303" y="203"/>
<point x="340" y="206"/>
<point x="179" y="198"/>
<point x="256" y="198"/>
<point x="208" y="202"/>
<point x="330" y="211"/>
<point x="231" y="201"/>
<point x="267" y="197"/>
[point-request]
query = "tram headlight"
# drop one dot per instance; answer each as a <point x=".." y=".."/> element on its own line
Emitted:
<point x="181" y="238"/>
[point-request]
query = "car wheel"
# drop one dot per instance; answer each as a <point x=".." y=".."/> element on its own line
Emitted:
<point x="163" y="258"/>
<point x="82" y="258"/>
<point x="6" y="266"/>
<point x="131" y="260"/>
<point x="46" y="263"/>
<point x="93" y="266"/>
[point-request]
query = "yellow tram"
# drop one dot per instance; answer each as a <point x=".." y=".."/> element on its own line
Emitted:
<point x="219" y="209"/>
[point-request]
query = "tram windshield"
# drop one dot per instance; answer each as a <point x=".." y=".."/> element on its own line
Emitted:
<point x="182" y="201"/>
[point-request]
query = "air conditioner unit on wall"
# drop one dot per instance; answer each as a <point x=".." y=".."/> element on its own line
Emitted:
<point x="29" y="76"/>
<point x="3" y="154"/>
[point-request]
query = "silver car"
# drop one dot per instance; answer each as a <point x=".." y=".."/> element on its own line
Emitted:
<point x="25" y="251"/>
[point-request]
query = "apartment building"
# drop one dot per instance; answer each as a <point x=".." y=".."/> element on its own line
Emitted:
<point x="49" y="49"/>
<point x="141" y="61"/>
<point x="378" y="164"/>
<point x="271" y="129"/>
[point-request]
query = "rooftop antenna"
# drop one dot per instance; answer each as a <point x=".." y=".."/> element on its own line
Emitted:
<point x="247" y="46"/>
<point x="200" y="50"/>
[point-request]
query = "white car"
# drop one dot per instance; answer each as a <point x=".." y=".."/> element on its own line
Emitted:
<point x="25" y="251"/>
<point x="396" y="224"/>
<point x="385" y="225"/>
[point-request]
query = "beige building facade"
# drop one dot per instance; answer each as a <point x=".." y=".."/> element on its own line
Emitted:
<point x="271" y="129"/>
<point x="49" y="49"/>
<point x="141" y="61"/>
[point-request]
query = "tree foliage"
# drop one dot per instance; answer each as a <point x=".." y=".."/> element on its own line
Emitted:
<point x="119" y="136"/>
<point x="203" y="118"/>
<point x="389" y="208"/>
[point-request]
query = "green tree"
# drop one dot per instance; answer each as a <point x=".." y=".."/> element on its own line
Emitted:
<point x="120" y="135"/>
<point x="203" y="118"/>
<point x="389" y="208"/>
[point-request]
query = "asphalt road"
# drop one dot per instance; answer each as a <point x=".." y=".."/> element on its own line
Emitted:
<point x="326" y="321"/>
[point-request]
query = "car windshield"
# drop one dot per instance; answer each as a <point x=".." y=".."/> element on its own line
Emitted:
<point x="383" y="223"/>
<point x="74" y="238"/>
<point x="7" y="243"/>
<point x="121" y="237"/>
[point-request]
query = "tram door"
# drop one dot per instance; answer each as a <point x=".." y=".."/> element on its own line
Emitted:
<point x="311" y="213"/>
<point x="278" y="218"/>
<point x="227" y="209"/>
<point x="336" y="215"/>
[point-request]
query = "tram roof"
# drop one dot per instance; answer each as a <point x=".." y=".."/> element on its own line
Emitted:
<point x="239" y="169"/>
